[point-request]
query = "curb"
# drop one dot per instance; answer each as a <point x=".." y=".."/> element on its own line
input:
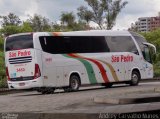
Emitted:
<point x="133" y="115"/>
<point x="4" y="90"/>
<point x="131" y="97"/>
<point x="157" y="90"/>
<point x="7" y="91"/>
<point x="127" y="100"/>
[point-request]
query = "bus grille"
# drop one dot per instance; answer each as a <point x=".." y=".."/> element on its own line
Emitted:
<point x="20" y="60"/>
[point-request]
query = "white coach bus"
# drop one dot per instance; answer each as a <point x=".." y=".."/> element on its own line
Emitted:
<point x="47" y="61"/>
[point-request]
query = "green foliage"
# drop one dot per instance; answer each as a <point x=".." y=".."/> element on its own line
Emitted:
<point x="2" y="65"/>
<point x="157" y="69"/>
<point x="39" y="23"/>
<point x="112" y="8"/>
<point x="84" y="14"/>
<point x="96" y="12"/>
<point x="69" y="23"/>
<point x="1" y="43"/>
<point x="10" y="20"/>
<point x="102" y="12"/>
<point x="10" y="29"/>
<point x="68" y="19"/>
<point x="3" y="82"/>
<point x="26" y="27"/>
<point x="154" y="38"/>
<point x="2" y="69"/>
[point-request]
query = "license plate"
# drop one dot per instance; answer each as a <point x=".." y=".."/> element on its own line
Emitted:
<point x="21" y="84"/>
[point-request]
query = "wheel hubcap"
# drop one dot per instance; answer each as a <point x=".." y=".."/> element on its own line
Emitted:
<point x="74" y="84"/>
<point x="134" y="78"/>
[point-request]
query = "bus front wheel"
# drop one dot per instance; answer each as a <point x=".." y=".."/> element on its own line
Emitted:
<point x="135" y="78"/>
<point x="74" y="83"/>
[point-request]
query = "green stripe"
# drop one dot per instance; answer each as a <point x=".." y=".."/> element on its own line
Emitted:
<point x="89" y="68"/>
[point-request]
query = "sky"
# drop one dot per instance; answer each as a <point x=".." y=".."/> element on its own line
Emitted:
<point x="52" y="9"/>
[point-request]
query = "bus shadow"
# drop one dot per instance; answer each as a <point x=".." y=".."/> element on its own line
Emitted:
<point x="81" y="90"/>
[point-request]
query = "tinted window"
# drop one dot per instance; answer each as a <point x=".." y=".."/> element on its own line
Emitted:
<point x="73" y="44"/>
<point x="121" y="44"/>
<point x="146" y="54"/>
<point x="19" y="42"/>
<point x="140" y="39"/>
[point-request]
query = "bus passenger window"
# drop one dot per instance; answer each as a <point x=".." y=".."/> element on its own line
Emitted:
<point x="121" y="44"/>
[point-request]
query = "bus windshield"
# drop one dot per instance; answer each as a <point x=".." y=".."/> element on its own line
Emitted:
<point x="19" y="42"/>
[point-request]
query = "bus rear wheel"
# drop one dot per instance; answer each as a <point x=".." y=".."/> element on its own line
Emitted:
<point x="74" y="83"/>
<point x="135" y="78"/>
<point x="46" y="90"/>
<point x="107" y="85"/>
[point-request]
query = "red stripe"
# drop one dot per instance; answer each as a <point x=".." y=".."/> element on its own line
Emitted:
<point x="100" y="66"/>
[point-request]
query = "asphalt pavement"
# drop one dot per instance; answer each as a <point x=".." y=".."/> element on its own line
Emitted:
<point x="143" y="98"/>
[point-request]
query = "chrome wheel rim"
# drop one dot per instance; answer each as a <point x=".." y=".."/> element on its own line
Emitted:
<point x="74" y="84"/>
<point x="134" y="78"/>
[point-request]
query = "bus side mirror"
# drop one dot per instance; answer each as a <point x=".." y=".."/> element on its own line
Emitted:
<point x="135" y="52"/>
<point x="150" y="46"/>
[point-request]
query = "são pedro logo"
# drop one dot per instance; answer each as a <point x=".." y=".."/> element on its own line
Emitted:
<point x="122" y="58"/>
<point x="20" y="53"/>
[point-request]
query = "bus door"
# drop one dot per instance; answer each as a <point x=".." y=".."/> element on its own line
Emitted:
<point x="147" y="65"/>
<point x="59" y="76"/>
<point x="49" y="69"/>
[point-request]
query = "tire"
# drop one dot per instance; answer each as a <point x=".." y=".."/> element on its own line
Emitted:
<point x="74" y="83"/>
<point x="67" y="89"/>
<point x="135" y="78"/>
<point x="108" y="85"/>
<point x="47" y="90"/>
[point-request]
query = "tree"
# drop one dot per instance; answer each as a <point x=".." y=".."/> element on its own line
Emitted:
<point x="80" y="25"/>
<point x="10" y="29"/>
<point x="112" y="8"/>
<point x="154" y="38"/>
<point x="39" y="23"/>
<point x="26" y="27"/>
<point x="10" y="19"/>
<point x="56" y="27"/>
<point x="103" y="12"/>
<point x="96" y="11"/>
<point x="69" y="22"/>
<point x="10" y="24"/>
<point x="68" y="19"/>
<point x="1" y="43"/>
<point x="85" y="14"/>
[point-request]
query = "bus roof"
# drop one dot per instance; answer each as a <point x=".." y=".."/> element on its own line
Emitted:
<point x="97" y="33"/>
<point x="82" y="33"/>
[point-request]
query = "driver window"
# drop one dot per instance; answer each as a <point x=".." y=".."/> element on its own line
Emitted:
<point x="146" y="54"/>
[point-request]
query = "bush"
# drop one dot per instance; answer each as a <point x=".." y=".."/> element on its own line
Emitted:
<point x="2" y="65"/>
<point x="3" y="82"/>
<point x="1" y="43"/>
<point x="157" y="69"/>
